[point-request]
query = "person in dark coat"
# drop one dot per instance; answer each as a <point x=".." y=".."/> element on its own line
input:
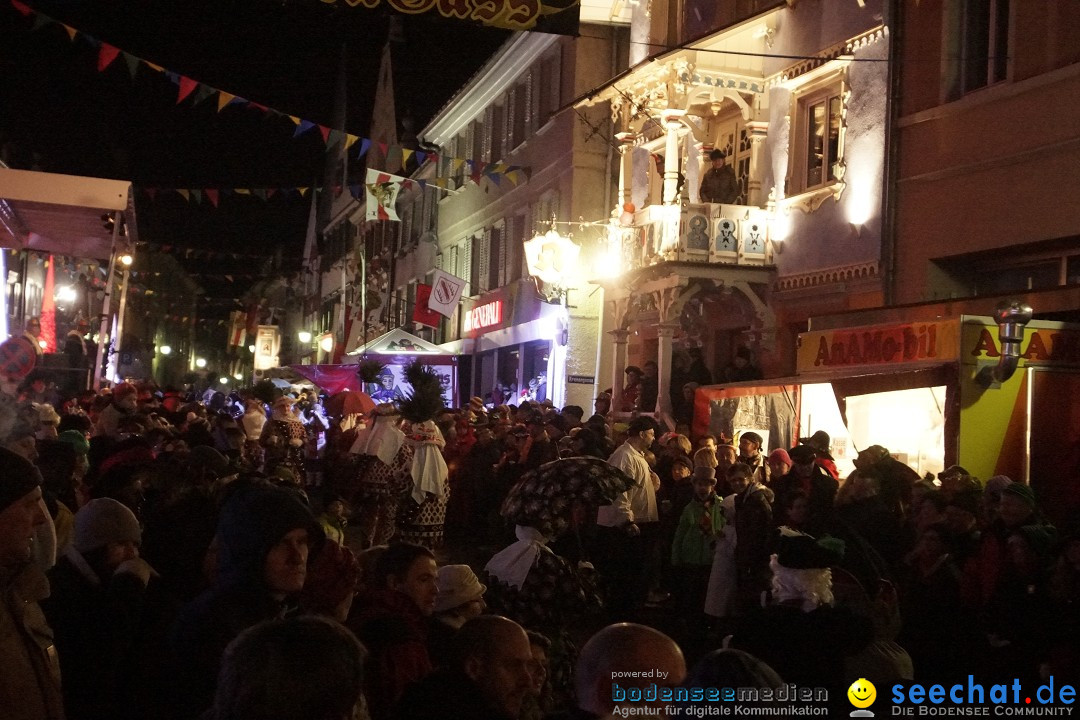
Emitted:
<point x="96" y="609"/>
<point x="719" y="184"/>
<point x="753" y="532"/>
<point x="487" y="679"/>
<point x="264" y="536"/>
<point x="811" y="479"/>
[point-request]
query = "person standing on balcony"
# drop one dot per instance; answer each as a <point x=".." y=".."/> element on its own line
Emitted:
<point x="719" y="184"/>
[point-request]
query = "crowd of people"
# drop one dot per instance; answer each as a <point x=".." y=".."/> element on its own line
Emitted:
<point x="227" y="557"/>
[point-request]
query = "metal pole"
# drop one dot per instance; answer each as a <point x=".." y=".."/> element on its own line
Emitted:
<point x="120" y="316"/>
<point x="104" y="327"/>
<point x="363" y="292"/>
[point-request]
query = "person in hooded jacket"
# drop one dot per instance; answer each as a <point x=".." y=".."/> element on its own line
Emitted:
<point x="263" y="539"/>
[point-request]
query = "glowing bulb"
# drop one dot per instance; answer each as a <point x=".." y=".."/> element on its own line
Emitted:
<point x="65" y="294"/>
<point x="223" y="380"/>
<point x="327" y="343"/>
<point x="238" y="376"/>
<point x="251" y="348"/>
<point x="166" y="350"/>
<point x="200" y="362"/>
<point x="304" y="336"/>
<point x="43" y="343"/>
<point x="126" y="260"/>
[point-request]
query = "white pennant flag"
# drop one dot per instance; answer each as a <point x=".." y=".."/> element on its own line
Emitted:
<point x="382" y="190"/>
<point x="445" y="293"/>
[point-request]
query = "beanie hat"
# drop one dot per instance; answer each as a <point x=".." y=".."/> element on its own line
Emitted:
<point x="333" y="572"/>
<point x="1022" y="491"/>
<point x="1040" y="538"/>
<point x="752" y="436"/>
<point x="76" y="439"/>
<point x="802" y="454"/>
<point x="997" y="484"/>
<point x="103" y="521"/>
<point x="781" y="455"/>
<point x="458" y="585"/>
<point x="682" y="460"/>
<point x="18" y="477"/>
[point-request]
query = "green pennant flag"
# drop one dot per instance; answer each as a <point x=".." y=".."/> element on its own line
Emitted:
<point x="132" y="63"/>
<point x="197" y="195"/>
<point x="41" y="21"/>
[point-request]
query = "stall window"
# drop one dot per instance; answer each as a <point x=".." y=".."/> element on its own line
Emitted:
<point x="507" y="374"/>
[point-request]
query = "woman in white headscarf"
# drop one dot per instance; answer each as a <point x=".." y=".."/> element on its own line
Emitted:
<point x="423" y="514"/>
<point x="383" y="475"/>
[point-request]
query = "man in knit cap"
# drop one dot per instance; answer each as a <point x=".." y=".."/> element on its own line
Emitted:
<point x="30" y="676"/>
<point x="96" y="610"/>
<point x="125" y="398"/>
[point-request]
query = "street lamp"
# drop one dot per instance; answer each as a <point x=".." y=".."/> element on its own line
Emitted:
<point x="200" y="363"/>
<point x="165" y="350"/>
<point x="126" y="259"/>
<point x="223" y="380"/>
<point x="304" y="336"/>
<point x="326" y="343"/>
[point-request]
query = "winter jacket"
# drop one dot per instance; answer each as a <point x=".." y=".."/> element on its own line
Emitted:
<point x="29" y="667"/>
<point x="699" y="528"/>
<point x="252" y="521"/>
<point x="394" y="631"/>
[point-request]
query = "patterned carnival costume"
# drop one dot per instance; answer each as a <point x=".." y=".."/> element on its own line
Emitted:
<point x="383" y="475"/>
<point x="422" y="515"/>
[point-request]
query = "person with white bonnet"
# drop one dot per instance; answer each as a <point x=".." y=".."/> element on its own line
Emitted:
<point x="283" y="438"/>
<point x="545" y="592"/>
<point x="383" y="475"/>
<point x="96" y="609"/>
<point x="422" y="516"/>
<point x="460" y="599"/>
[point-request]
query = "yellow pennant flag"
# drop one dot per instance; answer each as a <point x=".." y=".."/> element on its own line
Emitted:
<point x="155" y="67"/>
<point x="224" y="99"/>
<point x="458" y="164"/>
<point x="184" y="194"/>
<point x="295" y="120"/>
<point x="303" y="191"/>
<point x="242" y="191"/>
<point x="72" y="32"/>
<point x="350" y="139"/>
<point x="405" y="155"/>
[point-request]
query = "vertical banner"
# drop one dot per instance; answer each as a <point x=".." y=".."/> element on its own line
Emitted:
<point x="421" y="312"/>
<point x="266" y="347"/>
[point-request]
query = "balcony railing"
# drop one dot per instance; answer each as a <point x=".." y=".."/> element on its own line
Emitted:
<point x="704" y="233"/>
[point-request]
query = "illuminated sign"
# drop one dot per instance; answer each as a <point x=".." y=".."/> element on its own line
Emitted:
<point x="878" y="345"/>
<point x="1041" y="345"/>
<point x="484" y="316"/>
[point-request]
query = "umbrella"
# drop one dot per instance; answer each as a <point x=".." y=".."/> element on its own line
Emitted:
<point x="545" y="497"/>
<point x="347" y="402"/>
<point x="281" y="383"/>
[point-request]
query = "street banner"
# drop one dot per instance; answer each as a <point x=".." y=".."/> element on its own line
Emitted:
<point x="446" y="290"/>
<point x="551" y="16"/>
<point x="382" y="190"/>
<point x="421" y="313"/>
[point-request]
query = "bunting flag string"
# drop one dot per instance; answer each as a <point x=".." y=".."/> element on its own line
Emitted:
<point x="199" y="253"/>
<point x="190" y="87"/>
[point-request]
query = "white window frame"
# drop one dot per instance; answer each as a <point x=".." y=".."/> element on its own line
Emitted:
<point x="823" y="89"/>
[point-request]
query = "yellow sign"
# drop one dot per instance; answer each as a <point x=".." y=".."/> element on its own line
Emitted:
<point x="868" y="346"/>
<point x="540" y="15"/>
<point x="1043" y="344"/>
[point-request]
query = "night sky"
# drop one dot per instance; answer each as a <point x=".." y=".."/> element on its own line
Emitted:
<point x="58" y="111"/>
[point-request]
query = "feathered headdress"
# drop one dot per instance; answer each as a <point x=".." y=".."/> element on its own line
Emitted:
<point x="426" y="399"/>
<point x="369" y="370"/>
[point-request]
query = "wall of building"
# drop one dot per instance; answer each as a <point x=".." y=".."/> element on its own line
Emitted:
<point x="995" y="169"/>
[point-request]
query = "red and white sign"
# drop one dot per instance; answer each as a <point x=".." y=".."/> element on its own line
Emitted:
<point x="445" y="292"/>
<point x="484" y="316"/>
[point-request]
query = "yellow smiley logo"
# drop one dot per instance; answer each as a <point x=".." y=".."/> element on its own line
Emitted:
<point x="862" y="693"/>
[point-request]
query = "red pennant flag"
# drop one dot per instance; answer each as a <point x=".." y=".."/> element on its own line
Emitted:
<point x="382" y="148"/>
<point x="23" y="9"/>
<point x="213" y="195"/>
<point x="187" y="86"/>
<point x="106" y="55"/>
<point x="325" y="132"/>
<point x="270" y="192"/>
<point x="258" y="106"/>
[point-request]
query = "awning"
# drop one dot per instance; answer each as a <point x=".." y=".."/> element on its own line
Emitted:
<point x="332" y="378"/>
<point x="61" y="214"/>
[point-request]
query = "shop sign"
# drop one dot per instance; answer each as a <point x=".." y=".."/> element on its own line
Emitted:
<point x="1056" y="346"/>
<point x="484" y="316"/>
<point x="581" y="379"/>
<point x="851" y="347"/>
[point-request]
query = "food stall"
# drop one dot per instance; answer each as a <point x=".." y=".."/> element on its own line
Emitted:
<point x="935" y="393"/>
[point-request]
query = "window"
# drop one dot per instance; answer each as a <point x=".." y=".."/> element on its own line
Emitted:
<point x="977" y="46"/>
<point x="498" y="258"/>
<point x="519" y="111"/>
<point x="818" y="150"/>
<point x="515" y="249"/>
<point x="498" y="134"/>
<point x="548" y="92"/>
<point x="481" y="263"/>
<point x="467" y="266"/>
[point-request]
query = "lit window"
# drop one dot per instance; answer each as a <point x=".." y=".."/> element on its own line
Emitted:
<point x="819" y="131"/>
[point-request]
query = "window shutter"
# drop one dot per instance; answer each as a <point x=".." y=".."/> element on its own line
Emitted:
<point x="498" y="255"/>
<point x="467" y="264"/>
<point x="484" y="261"/>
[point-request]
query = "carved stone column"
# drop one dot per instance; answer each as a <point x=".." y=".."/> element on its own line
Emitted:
<point x="626" y="167"/>
<point x="672" y="123"/>
<point x="758" y="131"/>
<point x="618" y="363"/>
<point x="665" y="332"/>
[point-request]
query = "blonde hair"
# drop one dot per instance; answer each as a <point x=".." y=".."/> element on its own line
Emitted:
<point x="705" y="457"/>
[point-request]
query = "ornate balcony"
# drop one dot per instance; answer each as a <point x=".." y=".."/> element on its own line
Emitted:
<point x="704" y="233"/>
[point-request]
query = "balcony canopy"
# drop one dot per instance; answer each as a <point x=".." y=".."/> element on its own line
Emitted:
<point x="62" y="214"/>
